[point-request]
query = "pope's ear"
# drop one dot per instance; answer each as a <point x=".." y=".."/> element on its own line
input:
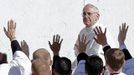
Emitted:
<point x="98" y="16"/>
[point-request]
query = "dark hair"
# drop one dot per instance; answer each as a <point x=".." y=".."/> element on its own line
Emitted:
<point x="62" y="66"/>
<point x="3" y="58"/>
<point x="94" y="65"/>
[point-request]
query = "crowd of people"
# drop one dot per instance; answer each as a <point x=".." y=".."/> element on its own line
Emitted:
<point x="94" y="55"/>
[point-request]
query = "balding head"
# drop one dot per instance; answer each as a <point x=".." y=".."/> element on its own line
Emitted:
<point x="40" y="67"/>
<point x="42" y="54"/>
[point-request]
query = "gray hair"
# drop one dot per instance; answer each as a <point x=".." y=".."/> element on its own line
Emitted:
<point x="92" y="6"/>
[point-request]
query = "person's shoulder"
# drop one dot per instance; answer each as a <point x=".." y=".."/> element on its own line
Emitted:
<point x="101" y="25"/>
<point x="129" y="66"/>
<point x="82" y="30"/>
<point x="130" y="62"/>
<point x="130" y="71"/>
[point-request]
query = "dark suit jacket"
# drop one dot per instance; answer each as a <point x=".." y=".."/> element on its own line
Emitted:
<point x="15" y="46"/>
<point x="125" y="51"/>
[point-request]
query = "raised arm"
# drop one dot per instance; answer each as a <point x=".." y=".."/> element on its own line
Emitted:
<point x="121" y="39"/>
<point x="55" y="47"/>
<point x="56" y="44"/>
<point x="101" y="38"/>
<point x="82" y="43"/>
<point x="25" y="47"/>
<point x="122" y="33"/>
<point x="81" y="47"/>
<point x="20" y="60"/>
<point x="10" y="33"/>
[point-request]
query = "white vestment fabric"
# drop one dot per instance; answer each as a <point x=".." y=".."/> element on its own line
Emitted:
<point x="20" y="65"/>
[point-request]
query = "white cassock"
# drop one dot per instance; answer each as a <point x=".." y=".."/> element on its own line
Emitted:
<point x="4" y="68"/>
<point x="93" y="48"/>
<point x="20" y="65"/>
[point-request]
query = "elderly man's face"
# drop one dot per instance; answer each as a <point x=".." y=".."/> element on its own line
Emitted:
<point x="90" y="17"/>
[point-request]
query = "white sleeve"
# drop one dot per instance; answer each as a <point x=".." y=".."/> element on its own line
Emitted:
<point x="22" y="61"/>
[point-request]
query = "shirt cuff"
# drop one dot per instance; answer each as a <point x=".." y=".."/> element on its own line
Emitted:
<point x="13" y="39"/>
<point x="123" y="46"/>
<point x="105" y="45"/>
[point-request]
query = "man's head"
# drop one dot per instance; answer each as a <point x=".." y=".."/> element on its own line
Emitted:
<point x="115" y="58"/>
<point x="42" y="54"/>
<point x="94" y="65"/>
<point x="62" y="66"/>
<point x="3" y="58"/>
<point x="40" y="67"/>
<point x="90" y="15"/>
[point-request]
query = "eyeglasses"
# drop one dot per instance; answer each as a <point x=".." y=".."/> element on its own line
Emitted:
<point x="89" y="13"/>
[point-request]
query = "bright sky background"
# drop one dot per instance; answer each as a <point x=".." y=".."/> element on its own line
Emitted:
<point x="38" y="20"/>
